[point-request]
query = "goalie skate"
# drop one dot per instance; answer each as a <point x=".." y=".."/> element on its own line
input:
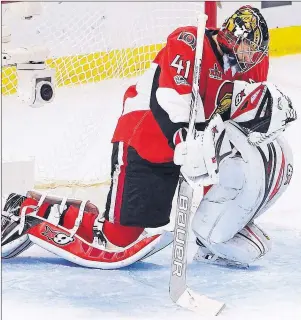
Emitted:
<point x="204" y="255"/>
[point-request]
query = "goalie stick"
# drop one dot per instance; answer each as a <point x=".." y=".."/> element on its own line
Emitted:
<point x="178" y="290"/>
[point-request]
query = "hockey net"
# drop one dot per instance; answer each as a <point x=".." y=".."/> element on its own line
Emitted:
<point x="96" y="49"/>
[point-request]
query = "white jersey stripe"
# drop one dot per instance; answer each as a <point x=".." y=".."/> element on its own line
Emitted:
<point x="115" y="181"/>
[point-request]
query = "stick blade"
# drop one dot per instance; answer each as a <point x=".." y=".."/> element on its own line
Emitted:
<point x="199" y="303"/>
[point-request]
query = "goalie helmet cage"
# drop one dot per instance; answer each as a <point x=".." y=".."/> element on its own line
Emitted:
<point x="86" y="49"/>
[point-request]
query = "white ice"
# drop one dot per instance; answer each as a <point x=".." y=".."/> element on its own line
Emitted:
<point x="70" y="139"/>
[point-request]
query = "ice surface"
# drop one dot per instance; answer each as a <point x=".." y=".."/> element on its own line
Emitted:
<point x="39" y="285"/>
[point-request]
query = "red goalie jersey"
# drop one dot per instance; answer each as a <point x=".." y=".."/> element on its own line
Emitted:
<point x="159" y="104"/>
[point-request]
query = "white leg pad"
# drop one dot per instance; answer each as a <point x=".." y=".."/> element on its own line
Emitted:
<point x="230" y="205"/>
<point x="249" y="184"/>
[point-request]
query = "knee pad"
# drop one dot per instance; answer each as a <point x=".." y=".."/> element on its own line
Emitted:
<point x="248" y="245"/>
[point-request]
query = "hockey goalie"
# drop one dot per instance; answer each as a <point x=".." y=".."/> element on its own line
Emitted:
<point x="240" y="146"/>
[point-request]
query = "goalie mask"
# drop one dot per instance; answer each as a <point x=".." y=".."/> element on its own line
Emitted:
<point x="245" y="38"/>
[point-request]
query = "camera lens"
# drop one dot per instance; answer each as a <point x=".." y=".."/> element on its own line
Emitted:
<point x="46" y="92"/>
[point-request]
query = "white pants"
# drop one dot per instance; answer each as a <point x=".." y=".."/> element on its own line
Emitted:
<point x="250" y="182"/>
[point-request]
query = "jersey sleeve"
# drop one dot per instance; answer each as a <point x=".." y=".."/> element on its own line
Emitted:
<point x="171" y="91"/>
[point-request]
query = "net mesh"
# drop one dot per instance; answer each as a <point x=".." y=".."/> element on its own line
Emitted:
<point x="89" y="42"/>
